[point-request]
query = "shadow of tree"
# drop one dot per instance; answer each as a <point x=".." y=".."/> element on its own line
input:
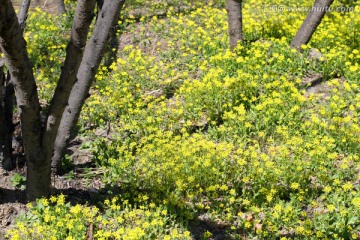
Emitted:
<point x="12" y="196"/>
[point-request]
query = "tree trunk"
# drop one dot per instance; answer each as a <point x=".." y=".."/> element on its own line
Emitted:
<point x="61" y="6"/>
<point x="2" y="116"/>
<point x="38" y="142"/>
<point x="9" y="103"/>
<point x="100" y="3"/>
<point x="23" y="13"/>
<point x="93" y="53"/>
<point x="83" y="16"/>
<point x="109" y="55"/>
<point x="234" y="9"/>
<point x="13" y="46"/>
<point x="311" y="22"/>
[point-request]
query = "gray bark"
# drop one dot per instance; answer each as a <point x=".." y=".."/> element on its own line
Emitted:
<point x="38" y="141"/>
<point x="13" y="46"/>
<point x="93" y="53"/>
<point x="60" y="6"/>
<point x="311" y="22"/>
<point x="8" y="101"/>
<point x="23" y="13"/>
<point x="234" y="9"/>
<point x="83" y="16"/>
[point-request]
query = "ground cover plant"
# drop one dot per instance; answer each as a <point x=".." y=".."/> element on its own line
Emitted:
<point x="202" y="142"/>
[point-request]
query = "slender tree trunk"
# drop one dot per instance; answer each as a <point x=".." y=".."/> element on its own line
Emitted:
<point x="109" y="54"/>
<point x="234" y="9"/>
<point x="93" y="53"/>
<point x="83" y="16"/>
<point x="311" y="22"/>
<point x="38" y="142"/>
<point x="61" y="6"/>
<point x="13" y="46"/>
<point x="2" y="115"/>
<point x="23" y="13"/>
<point x="9" y="103"/>
<point x="8" y="100"/>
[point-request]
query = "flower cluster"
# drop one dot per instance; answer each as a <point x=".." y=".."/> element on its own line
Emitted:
<point x="236" y="138"/>
<point x="54" y="219"/>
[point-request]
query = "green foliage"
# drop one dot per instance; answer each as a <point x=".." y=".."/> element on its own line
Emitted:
<point x="18" y="181"/>
<point x="234" y="138"/>
<point x="55" y="219"/>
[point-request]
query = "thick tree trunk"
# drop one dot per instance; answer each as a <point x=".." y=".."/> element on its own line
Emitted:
<point x="234" y="9"/>
<point x="60" y="6"/>
<point x="13" y="46"/>
<point x="311" y="22"/>
<point x="93" y="53"/>
<point x="83" y="16"/>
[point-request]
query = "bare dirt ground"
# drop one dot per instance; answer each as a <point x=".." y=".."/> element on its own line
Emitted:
<point x="48" y="5"/>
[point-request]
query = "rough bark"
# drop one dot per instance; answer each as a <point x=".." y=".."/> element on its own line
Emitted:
<point x="60" y="6"/>
<point x="9" y="103"/>
<point x="93" y="53"/>
<point x="311" y="22"/>
<point x="13" y="46"/>
<point x="234" y="9"/>
<point x="83" y="16"/>
<point x="2" y="114"/>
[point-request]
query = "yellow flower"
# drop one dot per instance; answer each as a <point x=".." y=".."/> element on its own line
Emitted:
<point x="354" y="68"/>
<point x="331" y="208"/>
<point x="61" y="200"/>
<point x="295" y="185"/>
<point x="356" y="202"/>
<point x="327" y="189"/>
<point x="347" y="186"/>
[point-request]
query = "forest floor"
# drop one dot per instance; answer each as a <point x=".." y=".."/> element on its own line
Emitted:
<point x="81" y="182"/>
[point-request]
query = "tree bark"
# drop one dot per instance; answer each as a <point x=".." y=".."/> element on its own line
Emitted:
<point x="23" y="13"/>
<point x="93" y="53"/>
<point x="234" y="9"/>
<point x="8" y="100"/>
<point x="100" y="3"/>
<point x="83" y="16"/>
<point x="2" y="115"/>
<point x="61" y="6"/>
<point x="13" y="46"/>
<point x="9" y="103"/>
<point x="311" y="22"/>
